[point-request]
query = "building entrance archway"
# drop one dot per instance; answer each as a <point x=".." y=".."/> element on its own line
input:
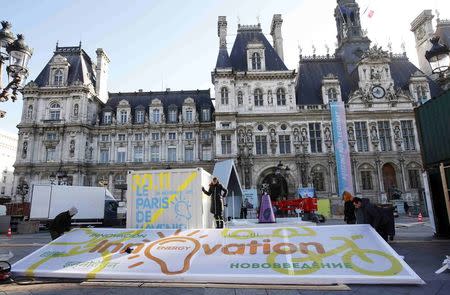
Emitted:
<point x="389" y="179"/>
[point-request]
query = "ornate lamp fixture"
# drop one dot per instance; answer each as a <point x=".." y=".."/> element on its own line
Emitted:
<point x="18" y="54"/>
<point x="438" y="57"/>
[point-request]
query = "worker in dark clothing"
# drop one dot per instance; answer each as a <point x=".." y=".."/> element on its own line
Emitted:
<point x="62" y="222"/>
<point x="372" y="215"/>
<point x="349" y="208"/>
<point x="215" y="191"/>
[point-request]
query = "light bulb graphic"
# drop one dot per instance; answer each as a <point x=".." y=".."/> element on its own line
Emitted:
<point x="173" y="254"/>
<point x="182" y="209"/>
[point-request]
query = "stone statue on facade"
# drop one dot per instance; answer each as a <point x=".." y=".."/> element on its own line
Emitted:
<point x="72" y="148"/>
<point x="25" y="149"/>
<point x="374" y="134"/>
<point x="296" y="135"/>
<point x="397" y="135"/>
<point x="304" y="135"/>
<point x="273" y="135"/>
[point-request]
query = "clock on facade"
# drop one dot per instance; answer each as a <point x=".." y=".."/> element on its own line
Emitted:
<point x="378" y="92"/>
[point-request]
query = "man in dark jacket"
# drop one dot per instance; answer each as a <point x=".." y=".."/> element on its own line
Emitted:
<point x="62" y="222"/>
<point x="371" y="215"/>
<point x="215" y="191"/>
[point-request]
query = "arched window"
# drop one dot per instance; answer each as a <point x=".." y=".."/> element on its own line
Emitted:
<point x="240" y="98"/>
<point x="256" y="61"/>
<point x="281" y="97"/>
<point x="123" y="116"/>
<point x="155" y="116"/>
<point x="332" y="94"/>
<point x="58" y="78"/>
<point x="30" y="112"/>
<point x="55" y="111"/>
<point x="258" y="97"/>
<point x="224" y="95"/>
<point x="421" y="93"/>
<point x="75" y="110"/>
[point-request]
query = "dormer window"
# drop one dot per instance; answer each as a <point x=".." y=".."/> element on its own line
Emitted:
<point x="206" y="115"/>
<point x="224" y="95"/>
<point x="140" y="117"/>
<point x="107" y="118"/>
<point x="259" y="101"/>
<point x="240" y="98"/>
<point x="155" y="116"/>
<point x="173" y="113"/>
<point x="55" y="111"/>
<point x="422" y="93"/>
<point x="281" y="97"/>
<point x="256" y="61"/>
<point x="58" y="77"/>
<point x="332" y="94"/>
<point x="188" y="115"/>
<point x="123" y="117"/>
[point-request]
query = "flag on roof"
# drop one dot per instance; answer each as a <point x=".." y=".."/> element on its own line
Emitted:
<point x="370" y="13"/>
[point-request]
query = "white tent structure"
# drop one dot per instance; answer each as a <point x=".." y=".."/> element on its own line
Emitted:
<point x="227" y="174"/>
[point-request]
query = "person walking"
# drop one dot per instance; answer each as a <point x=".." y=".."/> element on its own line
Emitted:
<point x="215" y="191"/>
<point x="406" y="208"/>
<point x="349" y="208"/>
<point x="62" y="222"/>
<point x="372" y="215"/>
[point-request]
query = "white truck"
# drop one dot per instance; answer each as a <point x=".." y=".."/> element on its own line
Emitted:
<point x="168" y="199"/>
<point x="95" y="205"/>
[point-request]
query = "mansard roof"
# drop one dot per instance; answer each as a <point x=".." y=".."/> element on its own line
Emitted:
<point x="252" y="34"/>
<point x="202" y="99"/>
<point x="81" y="67"/>
<point x="312" y="70"/>
<point x="443" y="31"/>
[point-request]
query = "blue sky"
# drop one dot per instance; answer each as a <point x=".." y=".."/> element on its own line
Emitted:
<point x="158" y="44"/>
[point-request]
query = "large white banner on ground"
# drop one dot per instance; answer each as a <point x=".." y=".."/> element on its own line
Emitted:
<point x="279" y="255"/>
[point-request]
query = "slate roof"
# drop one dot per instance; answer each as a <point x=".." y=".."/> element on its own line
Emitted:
<point x="311" y="71"/>
<point x="443" y="31"/>
<point x="238" y="56"/>
<point x="223" y="59"/>
<point x="138" y="100"/>
<point x="80" y="69"/>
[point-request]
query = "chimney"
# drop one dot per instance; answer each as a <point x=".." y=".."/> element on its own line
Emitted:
<point x="422" y="27"/>
<point x="101" y="69"/>
<point x="222" y="31"/>
<point x="275" y="32"/>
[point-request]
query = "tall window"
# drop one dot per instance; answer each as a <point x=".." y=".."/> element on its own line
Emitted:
<point x="138" y="154"/>
<point x="384" y="133"/>
<point x="104" y="155"/>
<point x="58" y="78"/>
<point x="259" y="101"/>
<point x="172" y="136"/>
<point x="281" y="97"/>
<point x="362" y="141"/>
<point x="107" y="118"/>
<point x="240" y="98"/>
<point x="50" y="155"/>
<point x="224" y="95"/>
<point x="188" y="135"/>
<point x="206" y="153"/>
<point x="366" y="180"/>
<point x="188" y="117"/>
<point x="30" y="112"/>
<point x="123" y="116"/>
<point x="226" y="144"/>
<point x="315" y="138"/>
<point x="55" y="111"/>
<point x="154" y="153"/>
<point x="256" y="61"/>
<point x="332" y="94"/>
<point x="188" y="154"/>
<point x="285" y="144"/>
<point x="173" y="113"/>
<point x="205" y="135"/>
<point x="172" y="154"/>
<point x="421" y="94"/>
<point x="261" y="144"/>
<point x="121" y="155"/>
<point x="409" y="142"/>
<point x="155" y="116"/>
<point x="140" y="117"/>
<point x="206" y="115"/>
<point x="318" y="181"/>
<point x="414" y="178"/>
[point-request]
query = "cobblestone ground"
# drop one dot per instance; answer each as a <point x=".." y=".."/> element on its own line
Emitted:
<point x="413" y="241"/>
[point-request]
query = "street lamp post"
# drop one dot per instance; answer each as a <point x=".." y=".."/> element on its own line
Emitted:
<point x="439" y="58"/>
<point x="18" y="54"/>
